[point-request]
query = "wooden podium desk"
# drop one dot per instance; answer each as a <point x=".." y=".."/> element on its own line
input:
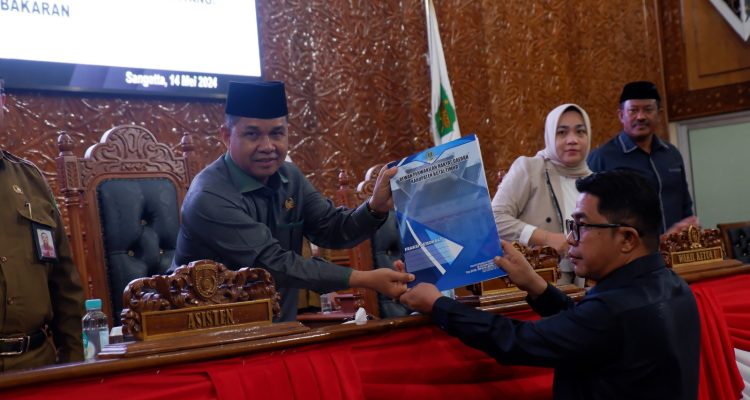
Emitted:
<point x="341" y="361"/>
<point x="403" y="358"/>
<point x="318" y="320"/>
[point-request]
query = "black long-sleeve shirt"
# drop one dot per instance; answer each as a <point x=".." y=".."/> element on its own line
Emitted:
<point x="635" y="335"/>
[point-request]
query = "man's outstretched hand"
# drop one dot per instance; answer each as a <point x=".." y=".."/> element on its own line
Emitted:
<point x="421" y="297"/>
<point x="520" y="271"/>
<point x="390" y="282"/>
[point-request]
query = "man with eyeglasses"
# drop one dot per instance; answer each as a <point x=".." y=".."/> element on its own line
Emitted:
<point x="638" y="148"/>
<point x="635" y="335"/>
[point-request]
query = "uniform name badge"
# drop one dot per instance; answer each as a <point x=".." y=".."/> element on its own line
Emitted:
<point x="44" y="242"/>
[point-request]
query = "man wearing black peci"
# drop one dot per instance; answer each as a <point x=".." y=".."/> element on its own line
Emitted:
<point x="250" y="208"/>
<point x="638" y="148"/>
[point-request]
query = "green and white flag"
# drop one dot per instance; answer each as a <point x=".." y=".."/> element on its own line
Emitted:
<point x="443" y="121"/>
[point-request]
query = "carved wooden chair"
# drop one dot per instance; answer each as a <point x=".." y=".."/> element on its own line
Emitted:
<point x="123" y="200"/>
<point x="385" y="244"/>
<point x="360" y="256"/>
<point x="381" y="250"/>
<point x="363" y="256"/>
<point x="736" y="239"/>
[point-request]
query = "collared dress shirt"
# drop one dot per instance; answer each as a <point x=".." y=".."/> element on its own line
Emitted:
<point x="35" y="293"/>
<point x="230" y="217"/>
<point x="635" y="335"/>
<point x="663" y="168"/>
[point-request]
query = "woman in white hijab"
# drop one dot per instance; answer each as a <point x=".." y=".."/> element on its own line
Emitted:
<point x="538" y="193"/>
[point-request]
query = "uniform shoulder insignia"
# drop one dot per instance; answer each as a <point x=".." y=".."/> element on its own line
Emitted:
<point x="18" y="160"/>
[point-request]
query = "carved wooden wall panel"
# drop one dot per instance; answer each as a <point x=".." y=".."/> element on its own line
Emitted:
<point x="34" y="120"/>
<point x="511" y="62"/>
<point x="717" y="88"/>
<point x="358" y="85"/>
<point x="715" y="55"/>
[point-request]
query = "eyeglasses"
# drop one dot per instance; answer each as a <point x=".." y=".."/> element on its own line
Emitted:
<point x="575" y="227"/>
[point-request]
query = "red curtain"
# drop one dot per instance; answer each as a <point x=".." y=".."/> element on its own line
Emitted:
<point x="405" y="364"/>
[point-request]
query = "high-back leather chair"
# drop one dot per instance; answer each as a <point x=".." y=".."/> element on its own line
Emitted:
<point x="123" y="200"/>
<point x="736" y="239"/>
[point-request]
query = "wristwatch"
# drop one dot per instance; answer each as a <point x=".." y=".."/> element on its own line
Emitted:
<point x="374" y="213"/>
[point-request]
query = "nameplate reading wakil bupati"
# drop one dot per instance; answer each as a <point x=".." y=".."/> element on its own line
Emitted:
<point x="696" y="256"/>
<point x="189" y="321"/>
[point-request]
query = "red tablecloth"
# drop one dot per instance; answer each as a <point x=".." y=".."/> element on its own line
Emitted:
<point x="409" y="364"/>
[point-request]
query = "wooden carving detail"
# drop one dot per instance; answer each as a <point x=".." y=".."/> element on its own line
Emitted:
<point x="359" y="93"/>
<point x="359" y="257"/>
<point x="67" y="167"/>
<point x="539" y="257"/>
<point x="543" y="259"/>
<point x="365" y="188"/>
<point x="692" y="245"/>
<point x="126" y="149"/>
<point x="683" y="101"/>
<point x="197" y="284"/>
<point x="188" y="148"/>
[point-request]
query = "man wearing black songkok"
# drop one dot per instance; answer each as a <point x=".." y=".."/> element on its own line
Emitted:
<point x="638" y="148"/>
<point x="250" y="208"/>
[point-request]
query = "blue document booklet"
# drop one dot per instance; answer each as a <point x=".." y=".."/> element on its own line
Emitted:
<point x="444" y="215"/>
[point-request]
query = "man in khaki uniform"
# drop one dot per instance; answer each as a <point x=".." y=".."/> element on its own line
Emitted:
<point x="41" y="299"/>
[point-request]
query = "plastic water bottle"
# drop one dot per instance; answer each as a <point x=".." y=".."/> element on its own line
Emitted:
<point x="95" y="329"/>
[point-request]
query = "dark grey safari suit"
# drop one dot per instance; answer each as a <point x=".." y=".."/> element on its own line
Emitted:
<point x="232" y="218"/>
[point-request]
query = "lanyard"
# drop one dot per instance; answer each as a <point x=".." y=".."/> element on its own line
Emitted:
<point x="558" y="213"/>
